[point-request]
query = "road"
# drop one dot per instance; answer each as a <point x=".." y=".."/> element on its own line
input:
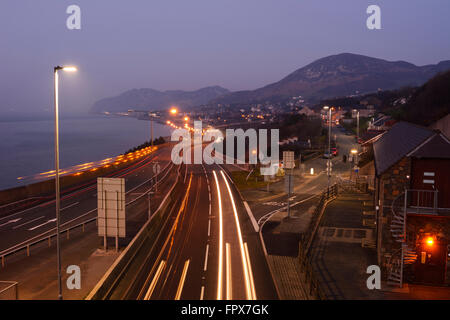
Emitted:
<point x="307" y="186"/>
<point x="209" y="249"/>
<point x="78" y="205"/>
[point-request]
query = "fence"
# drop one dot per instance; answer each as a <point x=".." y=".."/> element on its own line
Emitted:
<point x="139" y="203"/>
<point x="9" y="290"/>
<point x="312" y="285"/>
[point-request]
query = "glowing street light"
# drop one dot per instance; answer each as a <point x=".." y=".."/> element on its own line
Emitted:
<point x="57" y="186"/>
<point x="173" y="111"/>
<point x="186" y="118"/>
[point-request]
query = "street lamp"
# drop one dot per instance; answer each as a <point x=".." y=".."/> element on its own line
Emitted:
<point x="329" y="148"/>
<point x="57" y="187"/>
<point x="173" y="111"/>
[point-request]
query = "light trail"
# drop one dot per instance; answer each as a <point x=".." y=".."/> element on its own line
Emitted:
<point x="155" y="280"/>
<point x="183" y="278"/>
<point x="219" y="276"/>
<point x="228" y="272"/>
<point x="245" y="262"/>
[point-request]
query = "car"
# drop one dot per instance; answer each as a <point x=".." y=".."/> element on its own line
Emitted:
<point x="334" y="151"/>
<point x="326" y="155"/>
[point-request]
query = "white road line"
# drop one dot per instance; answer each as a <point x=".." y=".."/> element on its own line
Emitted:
<point x="252" y="218"/>
<point x="69" y="206"/>
<point x="205" y="265"/>
<point x="23" y="224"/>
<point x="183" y="278"/>
<point x="209" y="227"/>
<point x="228" y="272"/>
<point x="10" y="221"/>
<point x="210" y="209"/>
<point x="202" y="292"/>
<point x="252" y="283"/>
<point x="155" y="280"/>
<point x="38" y="226"/>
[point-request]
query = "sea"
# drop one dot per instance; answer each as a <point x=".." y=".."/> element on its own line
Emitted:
<point x="27" y="147"/>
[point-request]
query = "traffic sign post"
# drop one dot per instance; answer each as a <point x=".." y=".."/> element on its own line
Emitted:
<point x="288" y="162"/>
<point x="111" y="209"/>
<point x="156" y="171"/>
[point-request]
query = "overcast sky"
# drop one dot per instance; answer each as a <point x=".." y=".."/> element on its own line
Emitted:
<point x="189" y="44"/>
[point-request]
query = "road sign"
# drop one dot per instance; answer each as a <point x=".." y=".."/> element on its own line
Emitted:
<point x="111" y="208"/>
<point x="156" y="168"/>
<point x="288" y="159"/>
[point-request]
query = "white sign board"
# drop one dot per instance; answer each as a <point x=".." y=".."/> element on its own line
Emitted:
<point x="288" y="159"/>
<point x="111" y="207"/>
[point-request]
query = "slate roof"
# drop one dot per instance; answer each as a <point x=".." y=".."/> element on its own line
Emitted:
<point x="437" y="147"/>
<point x="396" y="143"/>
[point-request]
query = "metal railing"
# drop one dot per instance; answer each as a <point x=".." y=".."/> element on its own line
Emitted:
<point x="9" y="290"/>
<point x="48" y="235"/>
<point x="313" y="289"/>
<point x="327" y="196"/>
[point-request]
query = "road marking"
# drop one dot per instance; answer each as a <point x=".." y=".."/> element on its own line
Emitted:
<point x="38" y="226"/>
<point x="183" y="278"/>
<point x="252" y="218"/>
<point x="228" y="271"/>
<point x="252" y="283"/>
<point x="202" y="292"/>
<point x="209" y="227"/>
<point x="219" y="273"/>
<point x="69" y="206"/>
<point x="10" y="221"/>
<point x="210" y="209"/>
<point x="155" y="280"/>
<point x="21" y="225"/>
<point x="205" y="266"/>
<point x="245" y="263"/>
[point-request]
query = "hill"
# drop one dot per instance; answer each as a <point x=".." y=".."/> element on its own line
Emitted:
<point x="150" y="99"/>
<point x="340" y="75"/>
<point x="428" y="103"/>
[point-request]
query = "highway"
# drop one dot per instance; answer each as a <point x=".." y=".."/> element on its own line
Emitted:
<point x="208" y="250"/>
<point x="79" y="204"/>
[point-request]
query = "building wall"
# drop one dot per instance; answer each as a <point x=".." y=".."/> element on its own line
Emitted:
<point x="396" y="180"/>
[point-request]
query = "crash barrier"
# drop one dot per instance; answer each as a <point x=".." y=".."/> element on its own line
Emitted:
<point x="312" y="286"/>
<point x="9" y="290"/>
<point x="138" y="204"/>
<point x="148" y="234"/>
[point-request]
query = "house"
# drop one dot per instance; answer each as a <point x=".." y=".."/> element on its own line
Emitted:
<point x="412" y="194"/>
<point x="443" y="125"/>
<point x="307" y="111"/>
<point x="381" y="123"/>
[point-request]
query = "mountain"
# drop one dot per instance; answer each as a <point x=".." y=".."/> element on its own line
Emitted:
<point x="340" y="75"/>
<point x="428" y="103"/>
<point x="150" y="99"/>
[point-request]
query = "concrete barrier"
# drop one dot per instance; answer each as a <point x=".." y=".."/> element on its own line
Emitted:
<point x="46" y="189"/>
<point x="149" y="232"/>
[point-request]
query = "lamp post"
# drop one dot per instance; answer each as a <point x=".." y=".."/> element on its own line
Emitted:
<point x="57" y="186"/>
<point x="329" y="148"/>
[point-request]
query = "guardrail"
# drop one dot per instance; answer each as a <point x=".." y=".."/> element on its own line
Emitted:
<point x="313" y="288"/>
<point x="9" y="290"/>
<point x="48" y="235"/>
<point x="151" y="230"/>
<point x="326" y="197"/>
